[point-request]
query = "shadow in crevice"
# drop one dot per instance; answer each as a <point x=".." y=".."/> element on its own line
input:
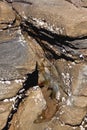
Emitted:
<point x="51" y="42"/>
<point x="31" y="80"/>
<point x="19" y="1"/>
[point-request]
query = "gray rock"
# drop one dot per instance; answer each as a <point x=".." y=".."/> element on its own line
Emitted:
<point x="13" y="53"/>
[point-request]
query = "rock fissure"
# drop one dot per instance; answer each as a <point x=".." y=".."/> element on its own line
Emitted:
<point x="28" y="83"/>
<point x="58" y="46"/>
<point x="41" y="31"/>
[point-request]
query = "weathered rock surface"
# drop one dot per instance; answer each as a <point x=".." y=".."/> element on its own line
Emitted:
<point x="41" y="27"/>
<point x="42" y="43"/>
<point x="7" y="15"/>
<point x="79" y="3"/>
<point x="5" y="109"/>
<point x="28" y="110"/>
<point x="72" y="115"/>
<point x="56" y="19"/>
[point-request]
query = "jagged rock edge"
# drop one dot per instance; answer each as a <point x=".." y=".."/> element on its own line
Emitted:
<point x="21" y="94"/>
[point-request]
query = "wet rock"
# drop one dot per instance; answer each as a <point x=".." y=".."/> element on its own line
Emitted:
<point x="56" y="19"/>
<point x="4" y="112"/>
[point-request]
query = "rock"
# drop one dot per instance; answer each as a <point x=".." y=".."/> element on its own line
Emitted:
<point x="72" y="49"/>
<point x="79" y="84"/>
<point x="5" y="109"/>
<point x="79" y="3"/>
<point x="72" y="115"/>
<point x="80" y="101"/>
<point x="56" y="19"/>
<point x="84" y="3"/>
<point x="56" y="125"/>
<point x="29" y="110"/>
<point x="73" y="83"/>
<point x="16" y="56"/>
<point x="73" y="77"/>
<point x="7" y="15"/>
<point x="9" y="89"/>
<point x="50" y="36"/>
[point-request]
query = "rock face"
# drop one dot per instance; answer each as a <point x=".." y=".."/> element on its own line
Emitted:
<point x="56" y="19"/>
<point x="29" y="110"/>
<point x="79" y="3"/>
<point x="43" y="65"/>
<point x="7" y="15"/>
<point x="4" y="113"/>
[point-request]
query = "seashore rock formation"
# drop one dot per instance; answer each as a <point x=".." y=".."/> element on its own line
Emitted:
<point x="43" y="65"/>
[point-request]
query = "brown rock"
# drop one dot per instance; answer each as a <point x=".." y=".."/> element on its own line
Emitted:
<point x="80" y="101"/>
<point x="5" y="109"/>
<point x="7" y="15"/>
<point x="9" y="90"/>
<point x="72" y="115"/>
<point x="29" y="110"/>
<point x="62" y="17"/>
<point x="21" y="57"/>
<point x="79" y="3"/>
<point x="79" y="81"/>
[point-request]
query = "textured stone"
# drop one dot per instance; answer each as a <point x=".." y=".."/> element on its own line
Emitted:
<point x="5" y="109"/>
<point x="9" y="90"/>
<point x="80" y="101"/>
<point x="7" y="15"/>
<point x="56" y="19"/>
<point x="79" y="3"/>
<point x="79" y="81"/>
<point x="29" y="110"/>
<point x="72" y="115"/>
<point x="61" y="79"/>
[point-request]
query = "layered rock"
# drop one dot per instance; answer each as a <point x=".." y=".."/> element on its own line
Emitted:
<point x="7" y="15"/>
<point x="59" y="27"/>
<point x="51" y="36"/>
<point x="29" y="110"/>
<point x="79" y="3"/>
<point x="5" y="109"/>
<point x="56" y="19"/>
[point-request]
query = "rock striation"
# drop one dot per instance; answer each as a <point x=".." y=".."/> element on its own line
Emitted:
<point x="43" y="65"/>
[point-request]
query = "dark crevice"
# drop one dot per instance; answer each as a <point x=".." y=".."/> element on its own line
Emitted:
<point x="31" y="80"/>
<point x="20" y="1"/>
<point x="52" y="43"/>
